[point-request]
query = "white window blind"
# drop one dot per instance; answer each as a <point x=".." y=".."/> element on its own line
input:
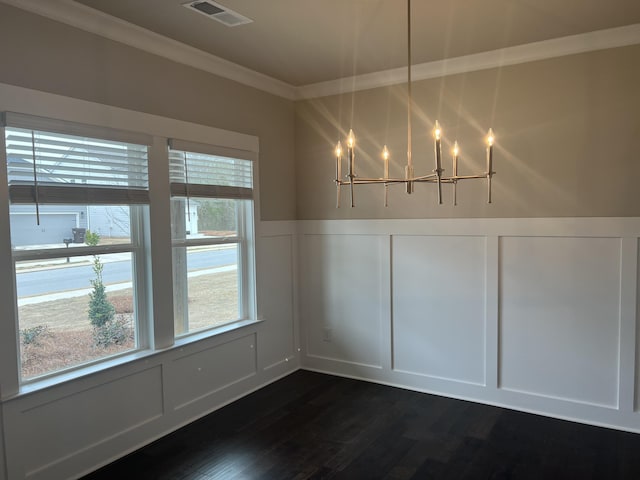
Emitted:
<point x="205" y="175"/>
<point x="54" y="167"/>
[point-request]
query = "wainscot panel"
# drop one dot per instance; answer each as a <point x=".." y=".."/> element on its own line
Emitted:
<point x="199" y="374"/>
<point x="560" y="317"/>
<point x="439" y="306"/>
<point x="53" y="431"/>
<point x="343" y="292"/>
<point x="277" y="342"/>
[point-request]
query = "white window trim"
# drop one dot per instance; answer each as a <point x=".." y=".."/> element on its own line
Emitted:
<point x="160" y="331"/>
<point x="245" y="267"/>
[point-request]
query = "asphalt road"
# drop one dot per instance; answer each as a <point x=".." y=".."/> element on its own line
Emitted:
<point x="72" y="277"/>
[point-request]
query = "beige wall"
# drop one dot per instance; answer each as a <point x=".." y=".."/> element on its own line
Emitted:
<point x="41" y="54"/>
<point x="567" y="129"/>
<point x="568" y="141"/>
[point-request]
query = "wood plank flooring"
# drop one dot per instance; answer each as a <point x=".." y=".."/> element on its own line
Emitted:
<point x="314" y="426"/>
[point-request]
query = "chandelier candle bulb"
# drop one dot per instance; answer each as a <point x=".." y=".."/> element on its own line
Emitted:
<point x="437" y="133"/>
<point x="385" y="156"/>
<point x="490" y="140"/>
<point x="338" y="161"/>
<point x="351" y="143"/>
<point x="438" y="148"/>
<point x="456" y="152"/>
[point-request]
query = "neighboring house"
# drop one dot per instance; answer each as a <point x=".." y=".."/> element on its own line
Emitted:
<point x="191" y="217"/>
<point x="58" y="221"/>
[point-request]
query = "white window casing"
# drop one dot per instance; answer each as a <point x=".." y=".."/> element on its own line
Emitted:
<point x="199" y="170"/>
<point x="43" y="112"/>
<point x="64" y="163"/>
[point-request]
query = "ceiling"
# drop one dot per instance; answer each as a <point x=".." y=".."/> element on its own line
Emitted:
<point x="302" y="42"/>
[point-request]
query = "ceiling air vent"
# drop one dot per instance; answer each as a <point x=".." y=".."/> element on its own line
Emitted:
<point x="218" y="12"/>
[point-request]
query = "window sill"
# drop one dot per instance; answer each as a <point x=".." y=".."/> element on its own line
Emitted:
<point x="81" y="372"/>
<point x="190" y="338"/>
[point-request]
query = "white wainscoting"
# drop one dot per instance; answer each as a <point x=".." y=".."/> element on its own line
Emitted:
<point x="560" y="317"/>
<point x="97" y="414"/>
<point x="538" y="315"/>
<point x="445" y="277"/>
<point x="205" y="372"/>
<point x="73" y="427"/>
<point x="277" y="299"/>
<point x="333" y="266"/>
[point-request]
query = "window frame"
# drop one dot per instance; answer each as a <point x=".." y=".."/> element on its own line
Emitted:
<point x="138" y="223"/>
<point x="139" y="286"/>
<point x="245" y="225"/>
<point x="159" y="334"/>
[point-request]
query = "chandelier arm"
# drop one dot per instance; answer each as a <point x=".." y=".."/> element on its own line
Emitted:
<point x="424" y="177"/>
<point x="434" y="180"/>
<point x="431" y="178"/>
<point x="367" y="181"/>
<point x="469" y="177"/>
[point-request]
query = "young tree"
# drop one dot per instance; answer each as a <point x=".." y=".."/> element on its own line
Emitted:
<point x="101" y="311"/>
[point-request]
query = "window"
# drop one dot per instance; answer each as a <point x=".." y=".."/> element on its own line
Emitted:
<point x="78" y="210"/>
<point x="81" y="207"/>
<point x="212" y="237"/>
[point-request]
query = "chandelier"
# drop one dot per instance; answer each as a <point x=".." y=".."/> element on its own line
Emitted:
<point x="410" y="178"/>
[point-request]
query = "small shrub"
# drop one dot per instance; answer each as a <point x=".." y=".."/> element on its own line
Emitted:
<point x="114" y="332"/>
<point x="101" y="311"/>
<point x="31" y="335"/>
<point x="91" y="238"/>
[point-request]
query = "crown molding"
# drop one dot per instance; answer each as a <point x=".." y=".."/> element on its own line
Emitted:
<point x="99" y="23"/>
<point x="558" y="47"/>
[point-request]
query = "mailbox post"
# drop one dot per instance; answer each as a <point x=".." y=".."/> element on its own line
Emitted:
<point x="67" y="241"/>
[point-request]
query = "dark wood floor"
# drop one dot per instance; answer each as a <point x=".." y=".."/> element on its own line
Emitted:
<point x="310" y="425"/>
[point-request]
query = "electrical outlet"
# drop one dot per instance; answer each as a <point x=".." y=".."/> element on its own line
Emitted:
<point x="326" y="334"/>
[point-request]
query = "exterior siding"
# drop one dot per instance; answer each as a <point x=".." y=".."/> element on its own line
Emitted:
<point x="109" y="221"/>
<point x="56" y="223"/>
